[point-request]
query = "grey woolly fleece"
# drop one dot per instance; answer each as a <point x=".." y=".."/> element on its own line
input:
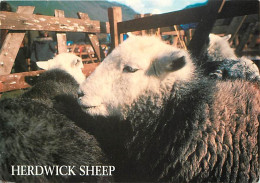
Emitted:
<point x="206" y="132"/>
<point x="33" y="134"/>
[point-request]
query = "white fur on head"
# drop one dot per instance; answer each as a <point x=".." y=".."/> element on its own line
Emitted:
<point x="139" y="66"/>
<point x="65" y="61"/>
<point x="219" y="48"/>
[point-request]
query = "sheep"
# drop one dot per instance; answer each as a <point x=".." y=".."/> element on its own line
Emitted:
<point x="34" y="129"/>
<point x="183" y="127"/>
<point x="222" y="62"/>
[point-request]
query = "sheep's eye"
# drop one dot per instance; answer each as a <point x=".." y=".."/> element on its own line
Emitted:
<point x="77" y="62"/>
<point x="129" y="69"/>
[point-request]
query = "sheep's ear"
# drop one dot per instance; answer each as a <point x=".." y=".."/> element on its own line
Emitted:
<point x="227" y="37"/>
<point x="167" y="64"/>
<point x="175" y="64"/>
<point x="211" y="36"/>
<point x="43" y="64"/>
<point x="130" y="34"/>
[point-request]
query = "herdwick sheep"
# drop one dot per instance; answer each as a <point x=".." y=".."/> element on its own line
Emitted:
<point x="183" y="127"/>
<point x="222" y="62"/>
<point x="33" y="131"/>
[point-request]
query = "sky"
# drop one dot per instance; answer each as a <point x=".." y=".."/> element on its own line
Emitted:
<point x="157" y="6"/>
<point x="147" y="6"/>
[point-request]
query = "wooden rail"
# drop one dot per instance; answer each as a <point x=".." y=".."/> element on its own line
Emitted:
<point x="230" y="9"/>
<point x="205" y="16"/>
<point x="23" y="80"/>
<point x="18" y="22"/>
<point x="22" y="20"/>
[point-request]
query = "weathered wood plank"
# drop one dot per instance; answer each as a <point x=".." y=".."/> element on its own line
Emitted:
<point x="230" y="9"/>
<point x="203" y="29"/>
<point x="20" y="80"/>
<point x="17" y="81"/>
<point x="115" y="16"/>
<point x="96" y="46"/>
<point x="19" y="21"/>
<point x="12" y="44"/>
<point x="93" y="40"/>
<point x="169" y="19"/>
<point x="61" y="36"/>
<point x="61" y="42"/>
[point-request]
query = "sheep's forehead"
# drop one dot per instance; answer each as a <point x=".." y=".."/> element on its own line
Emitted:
<point x="138" y="52"/>
<point x="214" y="39"/>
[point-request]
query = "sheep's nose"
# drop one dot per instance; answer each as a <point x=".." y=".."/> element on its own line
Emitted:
<point x="80" y="93"/>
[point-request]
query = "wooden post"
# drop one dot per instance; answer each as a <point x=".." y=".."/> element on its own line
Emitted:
<point x="115" y="16"/>
<point x="179" y="38"/>
<point x="12" y="44"/>
<point x="61" y="37"/>
<point x="251" y="28"/>
<point x="93" y="39"/>
<point x="203" y="29"/>
<point x="234" y="26"/>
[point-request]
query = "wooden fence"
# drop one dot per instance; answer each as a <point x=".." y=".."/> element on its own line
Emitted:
<point x="17" y="23"/>
<point x="205" y="16"/>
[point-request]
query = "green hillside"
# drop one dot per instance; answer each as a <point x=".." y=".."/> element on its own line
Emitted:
<point x="97" y="10"/>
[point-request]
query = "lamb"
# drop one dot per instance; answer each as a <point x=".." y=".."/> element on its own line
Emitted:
<point x="33" y="130"/>
<point x="183" y="127"/>
<point x="222" y="62"/>
<point x="63" y="76"/>
<point x="58" y="86"/>
<point x="68" y="62"/>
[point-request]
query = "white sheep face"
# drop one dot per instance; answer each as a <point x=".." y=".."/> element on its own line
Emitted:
<point x="139" y="66"/>
<point x="65" y="61"/>
<point x="219" y="48"/>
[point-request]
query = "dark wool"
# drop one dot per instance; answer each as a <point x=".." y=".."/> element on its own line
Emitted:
<point x="58" y="89"/>
<point x="205" y="132"/>
<point x="33" y="134"/>
<point x="52" y="86"/>
<point x="36" y="129"/>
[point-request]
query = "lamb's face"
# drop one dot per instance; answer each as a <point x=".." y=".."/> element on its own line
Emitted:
<point x="65" y="61"/>
<point x="139" y="66"/>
